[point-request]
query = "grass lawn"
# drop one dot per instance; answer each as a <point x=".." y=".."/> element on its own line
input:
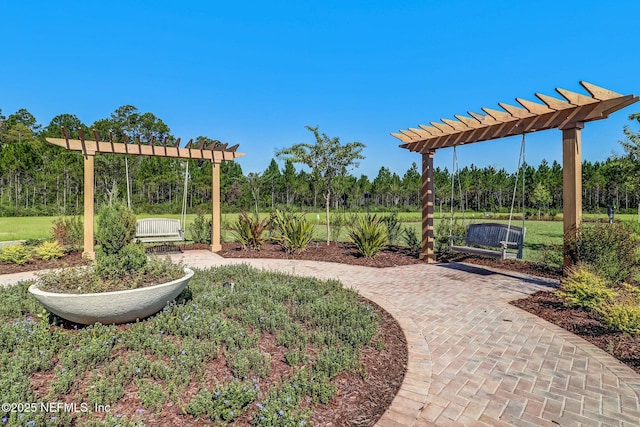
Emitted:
<point x="541" y="235"/>
<point x="207" y="356"/>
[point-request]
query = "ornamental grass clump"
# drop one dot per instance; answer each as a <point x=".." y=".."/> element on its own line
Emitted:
<point x="293" y="232"/>
<point x="250" y="231"/>
<point x="369" y="234"/>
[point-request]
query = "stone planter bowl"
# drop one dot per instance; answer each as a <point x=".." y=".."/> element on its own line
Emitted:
<point x="111" y="307"/>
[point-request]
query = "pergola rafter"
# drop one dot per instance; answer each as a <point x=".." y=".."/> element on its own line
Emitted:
<point x="567" y="114"/>
<point x="534" y="116"/>
<point x="214" y="151"/>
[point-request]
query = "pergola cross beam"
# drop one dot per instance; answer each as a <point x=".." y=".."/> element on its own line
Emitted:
<point x="213" y="151"/>
<point x="567" y="114"/>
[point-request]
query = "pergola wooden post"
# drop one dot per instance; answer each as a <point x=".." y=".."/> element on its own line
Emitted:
<point x="568" y="114"/>
<point x="88" y="205"/>
<point x="571" y="186"/>
<point x="427" y="197"/>
<point x="213" y="151"/>
<point x="215" y="207"/>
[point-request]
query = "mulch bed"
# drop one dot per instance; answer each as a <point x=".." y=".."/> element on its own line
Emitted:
<point x="345" y="253"/>
<point x="70" y="260"/>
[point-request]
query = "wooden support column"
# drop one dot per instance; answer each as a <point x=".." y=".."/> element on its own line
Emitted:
<point x="427" y="198"/>
<point x="89" y="251"/>
<point x="571" y="185"/>
<point x="215" y="208"/>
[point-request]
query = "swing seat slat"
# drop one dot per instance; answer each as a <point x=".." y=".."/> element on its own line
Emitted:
<point x="151" y="230"/>
<point x="481" y="238"/>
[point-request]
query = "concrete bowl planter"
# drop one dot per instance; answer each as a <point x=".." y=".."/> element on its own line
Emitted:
<point x="111" y="307"/>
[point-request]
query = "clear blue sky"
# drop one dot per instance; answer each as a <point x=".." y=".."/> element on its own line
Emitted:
<point x="255" y="73"/>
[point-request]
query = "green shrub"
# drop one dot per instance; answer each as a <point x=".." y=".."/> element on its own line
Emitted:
<point x="49" y="250"/>
<point x="130" y="258"/>
<point x="394" y="228"/>
<point x="444" y="229"/>
<point x="369" y="235"/>
<point x="338" y="222"/>
<point x="201" y="229"/>
<point x="116" y="228"/>
<point x="623" y="316"/>
<point x="16" y="254"/>
<point x="68" y="232"/>
<point x="608" y="248"/>
<point x="293" y="232"/>
<point x="249" y="231"/>
<point x="412" y="239"/>
<point x="585" y="289"/>
<point x="552" y="255"/>
<point x="117" y="255"/>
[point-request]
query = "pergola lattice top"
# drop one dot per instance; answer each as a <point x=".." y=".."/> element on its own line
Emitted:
<point x="205" y="150"/>
<point x="554" y="113"/>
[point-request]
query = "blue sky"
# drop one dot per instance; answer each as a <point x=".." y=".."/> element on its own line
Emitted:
<point x="255" y="73"/>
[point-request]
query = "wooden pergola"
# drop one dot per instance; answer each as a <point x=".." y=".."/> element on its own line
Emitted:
<point x="568" y="115"/>
<point x="213" y="151"/>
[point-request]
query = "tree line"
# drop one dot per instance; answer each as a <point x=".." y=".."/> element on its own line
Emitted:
<point x="38" y="178"/>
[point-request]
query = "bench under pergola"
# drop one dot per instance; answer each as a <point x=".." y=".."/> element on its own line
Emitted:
<point x="568" y="115"/>
<point x="213" y="151"/>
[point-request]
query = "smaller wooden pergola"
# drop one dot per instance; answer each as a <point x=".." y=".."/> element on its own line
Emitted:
<point x="213" y="151"/>
<point x="568" y="115"/>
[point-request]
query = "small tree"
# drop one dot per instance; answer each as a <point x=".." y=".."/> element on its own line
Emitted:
<point x="327" y="158"/>
<point x="631" y="147"/>
<point x="541" y="196"/>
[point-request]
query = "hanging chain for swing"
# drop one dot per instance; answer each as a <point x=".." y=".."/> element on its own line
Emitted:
<point x="521" y="168"/>
<point x="184" y="197"/>
<point x="455" y="173"/>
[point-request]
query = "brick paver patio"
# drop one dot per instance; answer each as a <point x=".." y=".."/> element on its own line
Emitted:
<point x="474" y="359"/>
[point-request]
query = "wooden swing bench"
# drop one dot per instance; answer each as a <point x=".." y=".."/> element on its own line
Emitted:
<point x="150" y="230"/>
<point x="482" y="236"/>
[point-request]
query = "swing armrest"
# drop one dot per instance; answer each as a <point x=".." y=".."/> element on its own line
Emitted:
<point x="506" y="244"/>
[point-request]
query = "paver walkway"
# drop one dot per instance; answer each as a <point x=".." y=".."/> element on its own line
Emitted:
<point x="474" y="359"/>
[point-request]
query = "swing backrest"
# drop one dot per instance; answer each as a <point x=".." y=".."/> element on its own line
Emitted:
<point x="493" y="234"/>
<point x="159" y="230"/>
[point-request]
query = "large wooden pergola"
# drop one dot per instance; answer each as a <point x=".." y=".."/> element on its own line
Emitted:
<point x="213" y="151"/>
<point x="568" y="115"/>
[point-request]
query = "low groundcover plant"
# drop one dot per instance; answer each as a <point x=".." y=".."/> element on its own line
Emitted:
<point x="202" y="357"/>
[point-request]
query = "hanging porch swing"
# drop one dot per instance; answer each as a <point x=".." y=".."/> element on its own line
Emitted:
<point x="491" y="239"/>
<point x="158" y="230"/>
